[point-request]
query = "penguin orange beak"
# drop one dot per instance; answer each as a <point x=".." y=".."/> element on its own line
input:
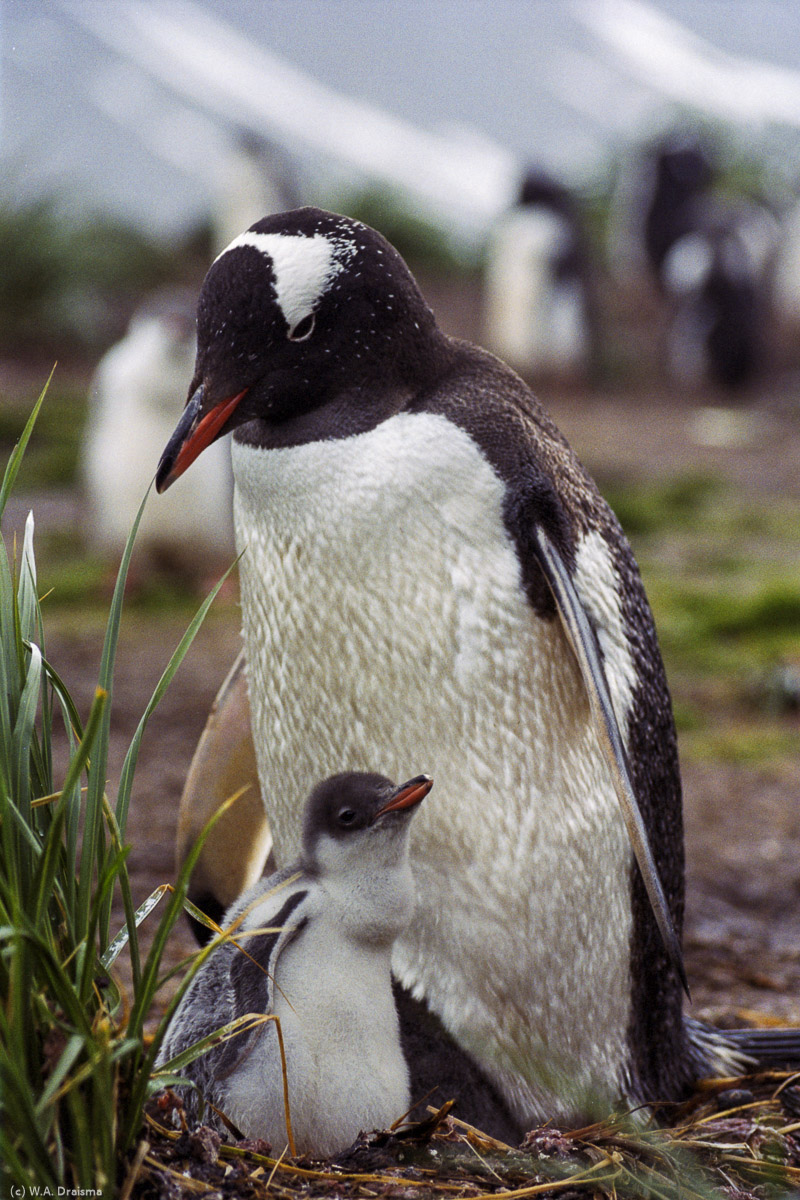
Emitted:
<point x="193" y="433"/>
<point x="407" y="795"/>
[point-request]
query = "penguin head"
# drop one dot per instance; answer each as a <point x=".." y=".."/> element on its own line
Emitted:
<point x="357" y="817"/>
<point x="310" y="325"/>
<point x="355" y="845"/>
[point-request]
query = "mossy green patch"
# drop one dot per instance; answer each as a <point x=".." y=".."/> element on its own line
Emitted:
<point x="53" y="456"/>
<point x="705" y="629"/>
<point x="722" y="573"/>
<point x="755" y="742"/>
<point x="650" y="508"/>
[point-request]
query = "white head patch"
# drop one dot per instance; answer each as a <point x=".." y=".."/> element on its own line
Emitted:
<point x="303" y="267"/>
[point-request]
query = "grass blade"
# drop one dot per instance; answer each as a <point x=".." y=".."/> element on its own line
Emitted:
<point x="129" y="766"/>
<point x="142" y="912"/>
<point x="15" y="461"/>
<point x="93" y="843"/>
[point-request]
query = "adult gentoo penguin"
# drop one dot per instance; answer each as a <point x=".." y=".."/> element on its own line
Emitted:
<point x="427" y="571"/>
<point x="539" y="309"/>
<point x="312" y="946"/>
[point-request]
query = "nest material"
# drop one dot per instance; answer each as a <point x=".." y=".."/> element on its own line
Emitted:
<point x="735" y="1138"/>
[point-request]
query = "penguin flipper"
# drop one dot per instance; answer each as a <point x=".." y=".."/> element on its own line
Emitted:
<point x="252" y="966"/>
<point x="237" y="979"/>
<point x="583" y="640"/>
<point x="724" y="1052"/>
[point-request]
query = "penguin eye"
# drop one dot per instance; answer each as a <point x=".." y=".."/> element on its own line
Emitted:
<point x="347" y="817"/>
<point x="303" y="329"/>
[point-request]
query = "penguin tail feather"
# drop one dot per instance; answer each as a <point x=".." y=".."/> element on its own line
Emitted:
<point x="738" y="1051"/>
<point x="769" y="1047"/>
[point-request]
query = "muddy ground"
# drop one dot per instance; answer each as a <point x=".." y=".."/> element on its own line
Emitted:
<point x="742" y="822"/>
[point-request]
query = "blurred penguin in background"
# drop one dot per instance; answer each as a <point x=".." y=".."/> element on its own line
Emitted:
<point x="131" y="411"/>
<point x="676" y="178"/>
<point x="256" y="177"/>
<point x="787" y="267"/>
<point x="710" y="257"/>
<point x="133" y="393"/>
<point x="718" y="299"/>
<point x="539" y="309"/>
<point x="785" y="290"/>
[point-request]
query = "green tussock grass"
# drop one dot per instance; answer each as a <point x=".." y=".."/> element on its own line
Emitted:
<point x="722" y="573"/>
<point x="75" y="1066"/>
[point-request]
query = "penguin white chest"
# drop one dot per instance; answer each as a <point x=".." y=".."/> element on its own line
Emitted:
<point x="386" y="629"/>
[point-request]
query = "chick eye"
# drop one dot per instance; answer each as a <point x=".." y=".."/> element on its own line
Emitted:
<point x="303" y="329"/>
<point x="346" y="817"/>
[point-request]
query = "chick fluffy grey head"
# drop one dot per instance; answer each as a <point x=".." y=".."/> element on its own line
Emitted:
<point x="358" y="809"/>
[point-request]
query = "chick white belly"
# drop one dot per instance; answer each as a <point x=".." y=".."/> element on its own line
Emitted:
<point x="386" y="631"/>
<point x="345" y="1071"/>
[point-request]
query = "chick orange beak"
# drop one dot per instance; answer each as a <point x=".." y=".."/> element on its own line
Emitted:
<point x="407" y="795"/>
<point x="192" y="435"/>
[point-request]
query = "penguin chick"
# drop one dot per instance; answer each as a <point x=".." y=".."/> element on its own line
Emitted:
<point x="312" y="946"/>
